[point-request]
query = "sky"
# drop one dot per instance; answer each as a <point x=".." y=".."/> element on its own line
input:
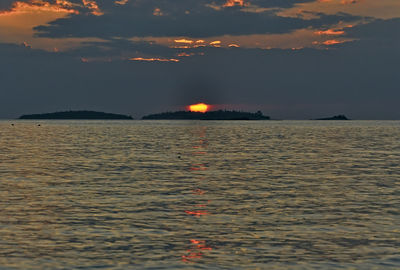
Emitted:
<point x="291" y="59"/>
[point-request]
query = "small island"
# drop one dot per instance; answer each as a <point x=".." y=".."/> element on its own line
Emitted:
<point x="336" y="117"/>
<point x="77" y="115"/>
<point x="209" y="115"/>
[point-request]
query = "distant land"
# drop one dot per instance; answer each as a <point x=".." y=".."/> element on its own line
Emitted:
<point x="336" y="117"/>
<point x="211" y="115"/>
<point x="75" y="115"/>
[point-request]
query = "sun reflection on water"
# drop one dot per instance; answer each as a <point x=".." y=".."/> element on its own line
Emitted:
<point x="197" y="248"/>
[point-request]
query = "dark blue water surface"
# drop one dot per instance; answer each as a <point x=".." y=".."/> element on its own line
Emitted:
<point x="200" y="194"/>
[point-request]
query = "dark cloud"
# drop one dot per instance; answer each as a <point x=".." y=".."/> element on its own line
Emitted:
<point x="118" y="49"/>
<point x="6" y="4"/>
<point x="140" y="22"/>
<point x="384" y="32"/>
<point x="183" y="5"/>
<point x="170" y="6"/>
<point x="278" y="3"/>
<point x="192" y="18"/>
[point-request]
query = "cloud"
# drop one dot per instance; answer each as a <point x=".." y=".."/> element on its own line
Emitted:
<point x="279" y="3"/>
<point x="156" y="20"/>
<point x="377" y="30"/>
<point x="384" y="9"/>
<point x="121" y="49"/>
<point x="73" y="6"/>
<point x="137" y="19"/>
<point x="6" y="4"/>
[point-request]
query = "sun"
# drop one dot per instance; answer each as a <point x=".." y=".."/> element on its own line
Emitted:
<point x="199" y="107"/>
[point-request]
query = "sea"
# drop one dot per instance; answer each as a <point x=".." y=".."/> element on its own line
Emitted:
<point x="199" y="194"/>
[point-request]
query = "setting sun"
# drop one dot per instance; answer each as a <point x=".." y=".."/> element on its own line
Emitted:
<point x="200" y="107"/>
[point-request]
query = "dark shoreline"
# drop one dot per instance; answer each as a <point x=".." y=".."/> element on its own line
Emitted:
<point x="211" y="115"/>
<point x="76" y="115"/>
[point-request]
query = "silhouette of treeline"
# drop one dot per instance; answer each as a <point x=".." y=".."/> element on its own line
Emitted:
<point x="212" y="115"/>
<point x="83" y="115"/>
<point x="336" y="117"/>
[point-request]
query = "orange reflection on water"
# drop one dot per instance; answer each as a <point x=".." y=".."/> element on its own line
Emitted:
<point x="198" y="191"/>
<point x="197" y="213"/>
<point x="198" y="247"/>
<point x="203" y="141"/>
<point x="198" y="167"/>
<point x="192" y="255"/>
<point x="196" y="252"/>
<point x="199" y="153"/>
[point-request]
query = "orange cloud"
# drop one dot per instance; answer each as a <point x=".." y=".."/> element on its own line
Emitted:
<point x="216" y="42"/>
<point x="296" y="39"/>
<point x="154" y="59"/>
<point x="343" y="2"/>
<point x="65" y="3"/>
<point x="330" y="32"/>
<point x="332" y="42"/>
<point x="232" y="3"/>
<point x="121" y="2"/>
<point x="347" y="2"/>
<point x="233" y="45"/>
<point x="39" y="6"/>
<point x="183" y="54"/>
<point x="93" y="7"/>
<point x="157" y="12"/>
<point x="183" y="40"/>
<point x="59" y="6"/>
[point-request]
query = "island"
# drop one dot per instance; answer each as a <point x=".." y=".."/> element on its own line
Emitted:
<point x="336" y="117"/>
<point x="209" y="115"/>
<point x="77" y="115"/>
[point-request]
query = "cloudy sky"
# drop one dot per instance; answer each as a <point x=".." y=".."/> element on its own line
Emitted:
<point x="292" y="59"/>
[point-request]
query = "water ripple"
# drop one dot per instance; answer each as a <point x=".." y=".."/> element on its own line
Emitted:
<point x="200" y="195"/>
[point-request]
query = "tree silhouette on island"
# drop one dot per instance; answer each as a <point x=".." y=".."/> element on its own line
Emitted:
<point x="178" y="115"/>
<point x="336" y="117"/>
<point x="209" y="115"/>
<point x="75" y="115"/>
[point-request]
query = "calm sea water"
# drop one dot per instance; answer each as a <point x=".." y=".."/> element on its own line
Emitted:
<point x="200" y="194"/>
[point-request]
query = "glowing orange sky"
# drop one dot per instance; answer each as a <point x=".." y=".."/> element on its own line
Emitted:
<point x="16" y="24"/>
<point x="384" y="9"/>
